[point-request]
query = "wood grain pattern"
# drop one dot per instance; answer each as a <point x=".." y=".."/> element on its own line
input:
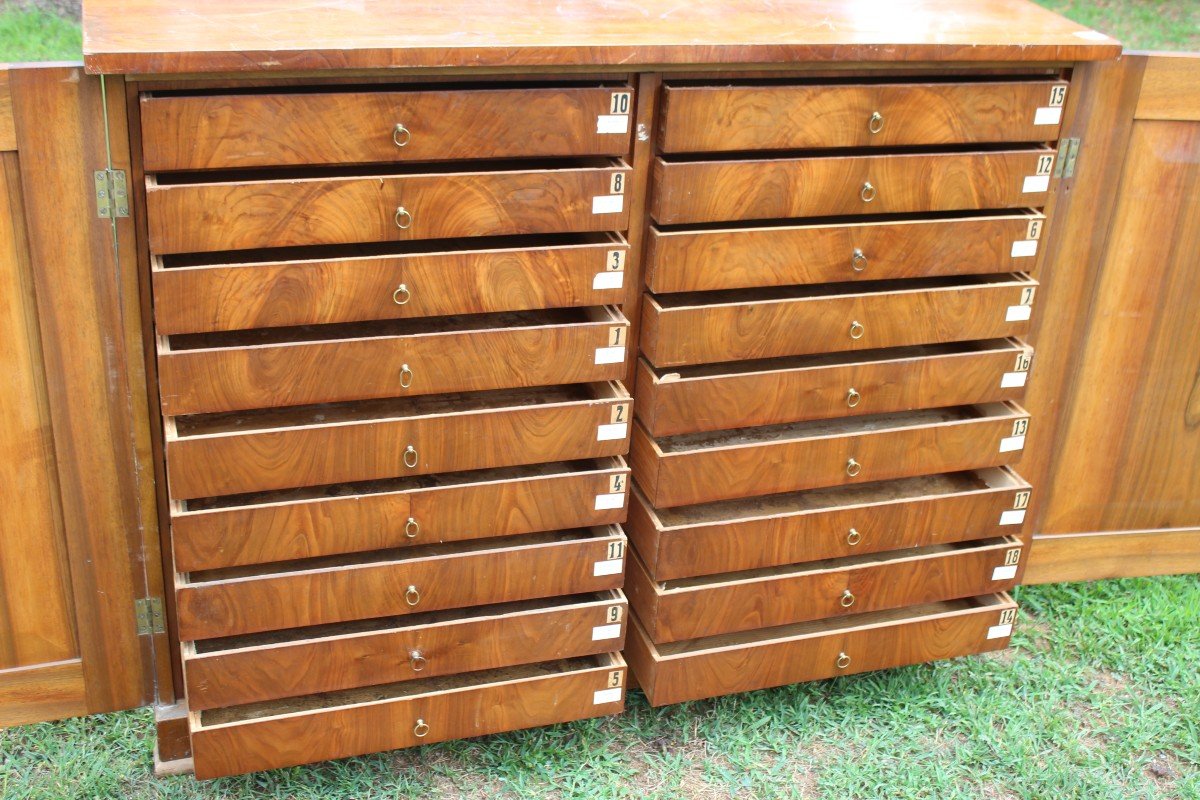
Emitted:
<point x="1170" y="88"/>
<point x="739" y="258"/>
<point x="700" y="328"/>
<point x="402" y="513"/>
<point x="267" y="369"/>
<point x="349" y="588"/>
<point x="701" y="468"/>
<point x="1113" y="554"/>
<point x="785" y="529"/>
<point x="345" y="657"/>
<point x="809" y="651"/>
<point x="384" y="718"/>
<point x="746" y="601"/>
<point x="230" y="131"/>
<point x="147" y="37"/>
<point x="797" y="389"/>
<point x="766" y="188"/>
<point x="534" y="426"/>
<point x="236" y="215"/>
<point x="8" y="133"/>
<point x="49" y="690"/>
<point x="221" y="297"/>
<point x="781" y="117"/>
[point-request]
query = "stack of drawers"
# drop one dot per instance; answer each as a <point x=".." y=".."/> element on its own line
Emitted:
<point x="827" y="415"/>
<point x="388" y="363"/>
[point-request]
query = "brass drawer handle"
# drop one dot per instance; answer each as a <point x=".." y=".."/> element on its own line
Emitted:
<point x="410" y="457"/>
<point x="853" y="468"/>
<point x="402" y="295"/>
<point x="421" y="729"/>
<point x="403" y="218"/>
<point x="412" y="596"/>
<point x="875" y="123"/>
<point x="401" y="135"/>
<point x="412" y="528"/>
<point x="406" y="376"/>
<point x="857" y="330"/>
<point x="853" y="537"/>
<point x="847" y="599"/>
<point x="868" y="192"/>
<point x="843" y="661"/>
<point x="853" y="398"/>
<point x="858" y="261"/>
<point x="416" y="660"/>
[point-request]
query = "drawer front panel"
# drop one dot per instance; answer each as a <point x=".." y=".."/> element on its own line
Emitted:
<point x="222" y="297"/>
<point x="254" y="673"/>
<point x="779" y="657"/>
<point x="254" y="130"/>
<point x="767" y="396"/>
<point x="714" y="191"/>
<point x="272" y="601"/>
<point x="726" y="604"/>
<point x="737" y="329"/>
<point x="687" y="261"/>
<point x="732" y="118"/>
<point x="316" y="455"/>
<point x="282" y="213"/>
<point x="305" y="372"/>
<point x="835" y="523"/>
<point x="790" y="462"/>
<point x="492" y="503"/>
<point x="546" y="697"/>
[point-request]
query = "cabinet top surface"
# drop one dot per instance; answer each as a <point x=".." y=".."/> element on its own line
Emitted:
<point x="204" y="36"/>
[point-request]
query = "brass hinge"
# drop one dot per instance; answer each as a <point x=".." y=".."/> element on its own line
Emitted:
<point x="150" y="617"/>
<point x="112" y="195"/>
<point x="1068" y="152"/>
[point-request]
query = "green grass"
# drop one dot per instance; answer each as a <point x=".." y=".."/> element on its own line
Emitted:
<point x="1098" y="698"/>
<point x="38" y="36"/>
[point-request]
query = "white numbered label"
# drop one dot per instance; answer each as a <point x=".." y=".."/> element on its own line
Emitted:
<point x="1021" y="499"/>
<point x="620" y="103"/>
<point x="1034" y="231"/>
<point x="614" y="261"/>
<point x="1045" y="164"/>
<point x="1058" y="95"/>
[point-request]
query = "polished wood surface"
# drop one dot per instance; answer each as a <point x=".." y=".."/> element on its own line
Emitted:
<point x="780" y="255"/>
<point x="145" y="36"/>
<point x="242" y="214"/>
<point x="701" y="468"/>
<point x="1169" y="90"/>
<point x="809" y="651"/>
<point x="400" y="513"/>
<point x="703" y="328"/>
<point x="253" y="669"/>
<point x="396" y="582"/>
<point x="8" y="133"/>
<point x="756" y="533"/>
<point x="230" y="131"/>
<point x="781" y="117"/>
<point x="746" y="601"/>
<point x="205" y="374"/>
<point x="768" y="188"/>
<point x="796" y="389"/>
<point x="384" y="718"/>
<point x="45" y="691"/>
<point x="217" y="296"/>
<point x="1113" y="554"/>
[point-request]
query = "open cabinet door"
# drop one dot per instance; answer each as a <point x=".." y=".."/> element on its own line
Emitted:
<point x="1122" y="484"/>
<point x="77" y="530"/>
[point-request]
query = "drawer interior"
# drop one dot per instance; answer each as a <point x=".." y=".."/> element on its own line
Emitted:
<point x="836" y="221"/>
<point x="772" y="156"/>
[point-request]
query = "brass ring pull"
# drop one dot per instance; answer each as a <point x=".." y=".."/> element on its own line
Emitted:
<point x="853" y="468"/>
<point x="847" y="599"/>
<point x="402" y="295"/>
<point x="412" y="596"/>
<point x="857" y="330"/>
<point x="410" y="457"/>
<point x="401" y="135"/>
<point x="858" y="261"/>
<point x="875" y="123"/>
<point x="403" y="218"/>
<point x="853" y="398"/>
<point x="416" y="660"/>
<point x="406" y="376"/>
<point x="412" y="528"/>
<point x="843" y="661"/>
<point x="868" y="192"/>
<point x="421" y="729"/>
<point x="853" y="537"/>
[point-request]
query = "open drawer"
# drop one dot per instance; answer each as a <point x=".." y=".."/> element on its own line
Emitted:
<point x="283" y="733"/>
<point x="691" y="608"/>
<point x="808" y="651"/>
